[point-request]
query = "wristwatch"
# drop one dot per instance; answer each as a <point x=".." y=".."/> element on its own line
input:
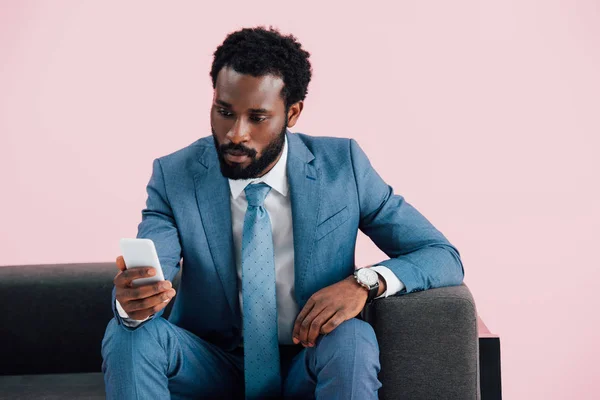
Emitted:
<point x="368" y="279"/>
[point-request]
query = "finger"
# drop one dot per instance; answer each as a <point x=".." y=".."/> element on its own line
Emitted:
<point x="335" y="321"/>
<point x="317" y="323"/>
<point x="142" y="314"/>
<point x="306" y="323"/>
<point x="144" y="291"/>
<point x="149" y="302"/>
<point x="303" y="313"/>
<point x="121" y="263"/>
<point x="116" y="276"/>
<point x="125" y="279"/>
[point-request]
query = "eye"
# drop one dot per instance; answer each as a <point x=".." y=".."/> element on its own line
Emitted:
<point x="224" y="112"/>
<point x="257" y="118"/>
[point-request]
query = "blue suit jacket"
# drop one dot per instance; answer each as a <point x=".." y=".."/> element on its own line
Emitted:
<point x="334" y="192"/>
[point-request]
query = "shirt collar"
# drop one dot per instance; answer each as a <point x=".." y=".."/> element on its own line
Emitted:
<point x="276" y="177"/>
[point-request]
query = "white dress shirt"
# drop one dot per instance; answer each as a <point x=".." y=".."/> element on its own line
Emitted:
<point x="278" y="205"/>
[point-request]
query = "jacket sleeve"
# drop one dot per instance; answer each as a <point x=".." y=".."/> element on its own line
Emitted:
<point x="158" y="224"/>
<point x="420" y="256"/>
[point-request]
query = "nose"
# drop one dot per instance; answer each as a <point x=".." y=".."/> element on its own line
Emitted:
<point x="239" y="132"/>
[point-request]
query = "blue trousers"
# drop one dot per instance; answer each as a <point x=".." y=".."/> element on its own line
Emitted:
<point x="160" y="360"/>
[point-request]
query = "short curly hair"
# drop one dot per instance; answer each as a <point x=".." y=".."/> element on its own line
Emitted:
<point x="258" y="51"/>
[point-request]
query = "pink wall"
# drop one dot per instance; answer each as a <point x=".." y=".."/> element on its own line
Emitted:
<point x="484" y="114"/>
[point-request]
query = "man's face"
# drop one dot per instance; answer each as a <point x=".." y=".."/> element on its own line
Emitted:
<point x="248" y="120"/>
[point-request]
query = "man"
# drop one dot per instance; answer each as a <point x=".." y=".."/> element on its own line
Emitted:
<point x="266" y="223"/>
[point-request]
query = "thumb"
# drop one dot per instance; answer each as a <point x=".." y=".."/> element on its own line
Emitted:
<point x="121" y="263"/>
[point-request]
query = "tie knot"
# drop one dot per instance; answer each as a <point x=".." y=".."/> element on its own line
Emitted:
<point x="256" y="194"/>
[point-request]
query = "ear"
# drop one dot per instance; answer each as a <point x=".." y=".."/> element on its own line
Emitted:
<point x="294" y="113"/>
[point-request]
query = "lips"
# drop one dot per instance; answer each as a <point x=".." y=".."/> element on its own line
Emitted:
<point x="236" y="156"/>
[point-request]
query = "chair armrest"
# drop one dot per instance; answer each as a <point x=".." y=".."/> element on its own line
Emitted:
<point x="428" y="344"/>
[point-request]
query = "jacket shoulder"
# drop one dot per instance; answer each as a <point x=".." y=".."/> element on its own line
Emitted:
<point x="187" y="154"/>
<point x="328" y="150"/>
<point x="324" y="144"/>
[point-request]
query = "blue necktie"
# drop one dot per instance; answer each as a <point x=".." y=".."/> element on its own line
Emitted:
<point x="261" y="344"/>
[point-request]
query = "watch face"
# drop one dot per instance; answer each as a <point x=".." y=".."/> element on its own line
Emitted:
<point x="367" y="276"/>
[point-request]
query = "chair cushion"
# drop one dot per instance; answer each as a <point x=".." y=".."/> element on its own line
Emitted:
<point x="56" y="316"/>
<point x="53" y="386"/>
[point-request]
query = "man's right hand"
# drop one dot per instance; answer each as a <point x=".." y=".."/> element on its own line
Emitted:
<point x="140" y="302"/>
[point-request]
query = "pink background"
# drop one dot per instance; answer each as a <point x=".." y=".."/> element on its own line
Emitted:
<point x="483" y="114"/>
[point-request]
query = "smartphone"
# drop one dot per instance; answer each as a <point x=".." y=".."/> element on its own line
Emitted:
<point x="141" y="253"/>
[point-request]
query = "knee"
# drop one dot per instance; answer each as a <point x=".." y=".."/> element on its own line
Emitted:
<point x="116" y="333"/>
<point x="352" y="340"/>
<point x="119" y="340"/>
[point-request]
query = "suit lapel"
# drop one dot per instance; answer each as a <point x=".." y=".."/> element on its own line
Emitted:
<point x="305" y="184"/>
<point x="214" y="198"/>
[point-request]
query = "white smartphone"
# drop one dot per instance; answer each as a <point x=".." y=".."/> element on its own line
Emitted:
<point x="141" y="253"/>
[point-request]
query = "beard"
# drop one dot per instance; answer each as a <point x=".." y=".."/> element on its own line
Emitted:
<point x="257" y="165"/>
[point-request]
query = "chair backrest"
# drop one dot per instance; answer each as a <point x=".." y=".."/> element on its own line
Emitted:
<point x="54" y="317"/>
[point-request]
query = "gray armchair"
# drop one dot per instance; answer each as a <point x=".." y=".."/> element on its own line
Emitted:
<point x="54" y="317"/>
<point x="428" y="343"/>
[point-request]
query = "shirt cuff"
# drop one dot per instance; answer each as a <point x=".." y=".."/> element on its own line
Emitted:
<point x="392" y="284"/>
<point x="125" y="317"/>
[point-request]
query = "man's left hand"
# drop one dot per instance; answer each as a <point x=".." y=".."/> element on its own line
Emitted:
<point x="326" y="309"/>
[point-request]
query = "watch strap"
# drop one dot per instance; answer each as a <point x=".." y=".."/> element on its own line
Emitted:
<point x="373" y="293"/>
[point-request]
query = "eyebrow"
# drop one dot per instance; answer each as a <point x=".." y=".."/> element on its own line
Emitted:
<point x="252" y="110"/>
